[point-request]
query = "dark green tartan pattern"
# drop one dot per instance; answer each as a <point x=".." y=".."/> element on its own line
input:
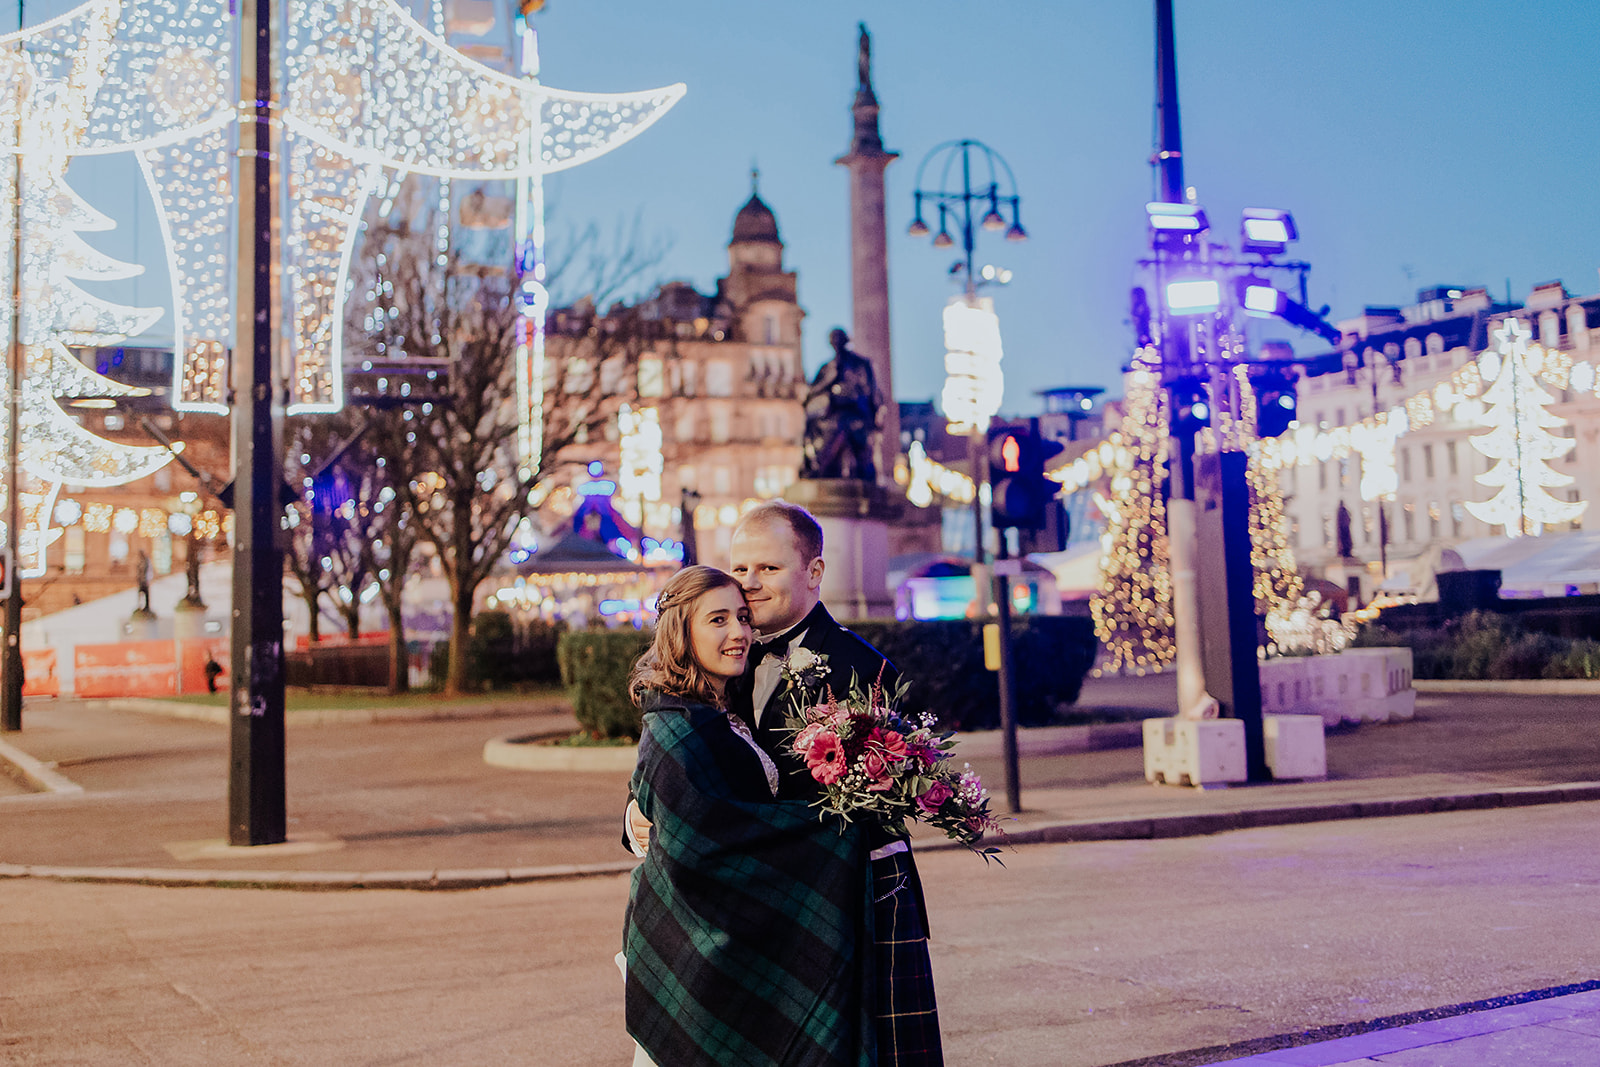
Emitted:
<point x="749" y="925"/>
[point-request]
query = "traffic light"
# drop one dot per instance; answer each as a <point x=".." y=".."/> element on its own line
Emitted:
<point x="1276" y="403"/>
<point x="1020" y="494"/>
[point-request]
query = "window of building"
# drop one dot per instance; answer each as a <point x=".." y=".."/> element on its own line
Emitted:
<point x="1427" y="461"/>
<point x="579" y="377"/>
<point x="1344" y="472"/>
<point x="1458" y="515"/>
<point x="1450" y="457"/>
<point x="1338" y="417"/>
<point x="652" y="380"/>
<point x="1433" y="520"/>
<point x="1405" y="464"/>
<point x="688" y="379"/>
<point x="1572" y="498"/>
<point x="1322" y="474"/>
<point x="686" y="477"/>
<point x="719" y="378"/>
<point x="722" y="480"/>
<point x="74" y="553"/>
<point x="117" y="548"/>
<point x="1408" y="519"/>
<point x="772" y="332"/>
<point x="1434" y="343"/>
<point x="720" y="426"/>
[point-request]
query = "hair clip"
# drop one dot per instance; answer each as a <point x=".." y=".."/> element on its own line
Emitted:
<point x="664" y="601"/>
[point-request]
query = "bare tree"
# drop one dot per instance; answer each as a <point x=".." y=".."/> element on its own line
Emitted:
<point x="452" y="477"/>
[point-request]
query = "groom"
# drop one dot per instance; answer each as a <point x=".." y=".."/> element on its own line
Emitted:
<point x="776" y="556"/>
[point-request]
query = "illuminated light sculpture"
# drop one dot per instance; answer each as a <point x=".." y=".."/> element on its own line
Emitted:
<point x="974" y="383"/>
<point x="1278" y="586"/>
<point x="1519" y="439"/>
<point x="368" y="89"/>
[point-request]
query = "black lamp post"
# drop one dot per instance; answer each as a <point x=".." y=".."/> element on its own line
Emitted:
<point x="971" y="208"/>
<point x="959" y="202"/>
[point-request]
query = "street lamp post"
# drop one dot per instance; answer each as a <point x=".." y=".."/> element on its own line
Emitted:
<point x="961" y="205"/>
<point x="972" y="340"/>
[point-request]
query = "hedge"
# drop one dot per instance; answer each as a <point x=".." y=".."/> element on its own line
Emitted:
<point x="1484" y="645"/>
<point x="594" y="668"/>
<point x="942" y="659"/>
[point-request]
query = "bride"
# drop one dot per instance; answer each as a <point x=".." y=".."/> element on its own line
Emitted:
<point x="747" y="935"/>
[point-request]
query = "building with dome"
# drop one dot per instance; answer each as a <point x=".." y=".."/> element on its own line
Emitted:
<point x="686" y="395"/>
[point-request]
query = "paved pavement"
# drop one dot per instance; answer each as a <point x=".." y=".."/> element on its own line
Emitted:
<point x="411" y="803"/>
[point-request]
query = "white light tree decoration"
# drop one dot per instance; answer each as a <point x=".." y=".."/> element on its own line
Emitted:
<point x="368" y="90"/>
<point x="1520" y="440"/>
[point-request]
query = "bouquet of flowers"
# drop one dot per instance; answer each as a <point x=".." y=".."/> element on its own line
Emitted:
<point x="872" y="762"/>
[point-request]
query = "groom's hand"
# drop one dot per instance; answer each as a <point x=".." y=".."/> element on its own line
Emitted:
<point x="637" y="828"/>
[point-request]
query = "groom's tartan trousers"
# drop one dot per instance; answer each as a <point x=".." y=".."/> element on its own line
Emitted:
<point x="908" y="1018"/>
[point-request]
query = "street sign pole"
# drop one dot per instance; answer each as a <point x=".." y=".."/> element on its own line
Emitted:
<point x="256" y="802"/>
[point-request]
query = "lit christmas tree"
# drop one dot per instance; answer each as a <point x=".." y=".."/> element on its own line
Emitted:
<point x="1519" y="439"/>
<point x="1278" y="585"/>
<point x="1133" y="609"/>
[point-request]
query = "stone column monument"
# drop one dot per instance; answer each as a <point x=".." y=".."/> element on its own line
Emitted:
<point x="869" y="249"/>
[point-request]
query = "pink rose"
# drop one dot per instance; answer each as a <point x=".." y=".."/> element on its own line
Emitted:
<point x="934" y="796"/>
<point x="876" y="767"/>
<point x="894" y="745"/>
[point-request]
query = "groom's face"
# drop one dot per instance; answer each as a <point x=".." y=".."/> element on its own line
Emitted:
<point x="780" y="587"/>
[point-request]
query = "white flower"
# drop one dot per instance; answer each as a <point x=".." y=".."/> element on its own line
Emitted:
<point x="802" y="659"/>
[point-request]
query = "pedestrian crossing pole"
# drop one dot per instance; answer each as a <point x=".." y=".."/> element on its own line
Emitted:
<point x="256" y="804"/>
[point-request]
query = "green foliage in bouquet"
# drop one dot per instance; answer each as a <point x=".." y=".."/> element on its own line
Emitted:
<point x="942" y="660"/>
<point x="594" y="669"/>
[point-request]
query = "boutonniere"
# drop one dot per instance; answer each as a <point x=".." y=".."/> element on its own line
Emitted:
<point x="803" y="668"/>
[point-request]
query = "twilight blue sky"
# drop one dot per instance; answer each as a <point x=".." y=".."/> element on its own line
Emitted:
<point x="1418" y="143"/>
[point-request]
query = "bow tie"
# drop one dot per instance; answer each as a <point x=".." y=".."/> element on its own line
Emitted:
<point x="763" y="649"/>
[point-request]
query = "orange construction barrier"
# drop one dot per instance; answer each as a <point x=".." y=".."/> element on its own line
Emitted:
<point x="126" y="669"/>
<point x="39" y="673"/>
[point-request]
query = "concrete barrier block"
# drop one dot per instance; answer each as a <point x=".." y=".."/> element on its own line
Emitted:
<point x="1194" y="751"/>
<point x="1295" y="746"/>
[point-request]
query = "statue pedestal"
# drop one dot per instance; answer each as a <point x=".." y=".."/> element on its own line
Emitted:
<point x="188" y="620"/>
<point x="142" y="626"/>
<point x="854" y="517"/>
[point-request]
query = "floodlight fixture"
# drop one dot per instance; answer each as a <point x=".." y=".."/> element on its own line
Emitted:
<point x="1179" y="218"/>
<point x="943" y="239"/>
<point x="1016" y="233"/>
<point x="1193" y="296"/>
<point x="918" y="228"/>
<point x="1266" y="231"/>
<point x="1260" y="298"/>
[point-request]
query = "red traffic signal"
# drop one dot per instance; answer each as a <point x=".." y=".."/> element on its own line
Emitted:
<point x="1019" y="492"/>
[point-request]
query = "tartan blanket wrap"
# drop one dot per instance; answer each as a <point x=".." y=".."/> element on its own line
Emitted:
<point x="749" y="928"/>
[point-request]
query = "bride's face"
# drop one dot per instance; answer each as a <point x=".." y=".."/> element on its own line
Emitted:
<point x="719" y="632"/>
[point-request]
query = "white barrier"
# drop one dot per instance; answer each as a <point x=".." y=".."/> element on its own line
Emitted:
<point x="1356" y="685"/>
<point x="1295" y="746"/>
<point x="1194" y="751"/>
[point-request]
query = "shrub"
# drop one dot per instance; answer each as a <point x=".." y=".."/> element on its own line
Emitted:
<point x="594" y="668"/>
<point x="1482" y="645"/>
<point x="503" y="653"/>
<point x="943" y="659"/>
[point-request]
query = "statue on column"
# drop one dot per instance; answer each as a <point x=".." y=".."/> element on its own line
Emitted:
<point x="864" y="56"/>
<point x="844" y="412"/>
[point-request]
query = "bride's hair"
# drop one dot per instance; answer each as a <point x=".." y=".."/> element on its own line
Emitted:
<point x="668" y="665"/>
